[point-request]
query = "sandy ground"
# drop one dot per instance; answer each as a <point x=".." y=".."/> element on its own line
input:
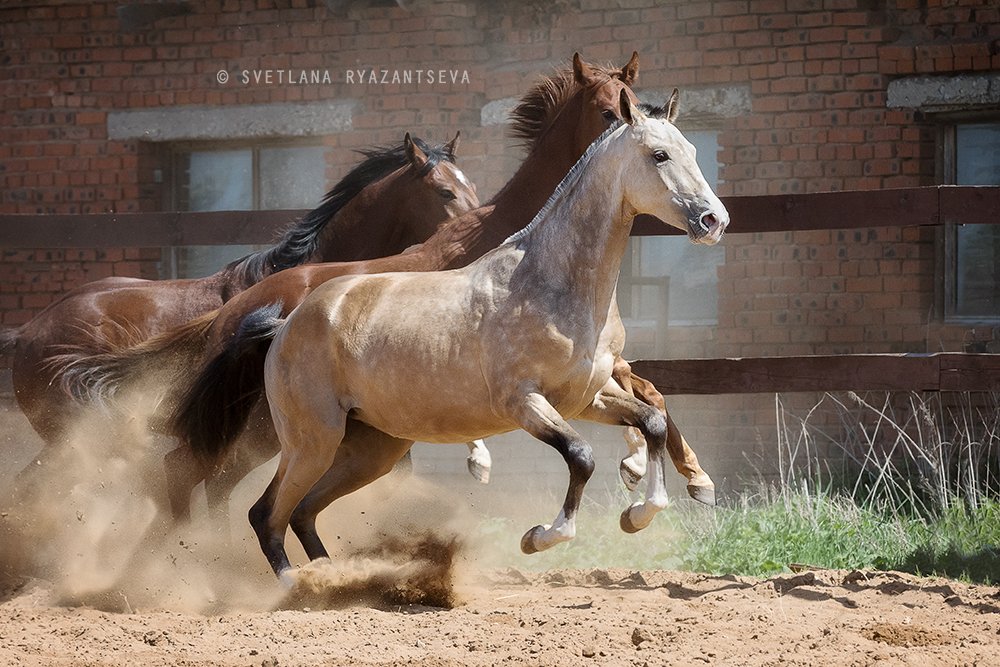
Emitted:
<point x="606" y="617"/>
<point x="85" y="579"/>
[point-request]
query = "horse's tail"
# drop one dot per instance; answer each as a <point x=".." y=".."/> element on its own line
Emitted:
<point x="99" y="377"/>
<point x="216" y="406"/>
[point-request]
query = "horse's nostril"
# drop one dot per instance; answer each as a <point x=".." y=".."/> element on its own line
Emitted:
<point x="708" y="221"/>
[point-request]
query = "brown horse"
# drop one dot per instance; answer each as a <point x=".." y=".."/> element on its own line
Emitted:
<point x="394" y="198"/>
<point x="561" y="115"/>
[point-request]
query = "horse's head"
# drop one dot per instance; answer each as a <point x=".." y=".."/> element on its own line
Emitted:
<point x="662" y="177"/>
<point x="574" y="106"/>
<point x="437" y="187"/>
<point x="600" y="91"/>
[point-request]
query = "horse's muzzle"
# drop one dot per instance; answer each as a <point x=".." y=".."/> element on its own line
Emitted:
<point x="709" y="227"/>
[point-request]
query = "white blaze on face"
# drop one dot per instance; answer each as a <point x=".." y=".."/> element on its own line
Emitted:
<point x="461" y="177"/>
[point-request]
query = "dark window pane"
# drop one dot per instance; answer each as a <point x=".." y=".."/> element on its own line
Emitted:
<point x="977" y="260"/>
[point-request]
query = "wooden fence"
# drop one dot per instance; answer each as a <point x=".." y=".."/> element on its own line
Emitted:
<point x="905" y="207"/>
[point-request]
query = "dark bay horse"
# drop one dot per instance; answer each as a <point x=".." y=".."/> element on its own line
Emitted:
<point x="526" y="336"/>
<point x="394" y="198"/>
<point x="559" y="116"/>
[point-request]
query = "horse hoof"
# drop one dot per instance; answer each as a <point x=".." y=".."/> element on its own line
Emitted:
<point x="626" y="523"/>
<point x="286" y="578"/>
<point x="480" y="472"/>
<point x="630" y="478"/>
<point x="703" y="494"/>
<point x="528" y="540"/>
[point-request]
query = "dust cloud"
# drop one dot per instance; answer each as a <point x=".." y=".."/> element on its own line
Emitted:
<point x="90" y="521"/>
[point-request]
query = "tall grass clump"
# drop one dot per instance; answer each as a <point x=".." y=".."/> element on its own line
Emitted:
<point x="860" y="482"/>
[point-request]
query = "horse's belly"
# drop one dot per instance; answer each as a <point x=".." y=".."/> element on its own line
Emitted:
<point x="454" y="422"/>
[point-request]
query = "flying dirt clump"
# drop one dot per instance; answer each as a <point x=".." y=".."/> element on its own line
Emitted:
<point x="410" y="568"/>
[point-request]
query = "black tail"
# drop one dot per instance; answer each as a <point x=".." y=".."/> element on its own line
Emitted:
<point x="216" y="407"/>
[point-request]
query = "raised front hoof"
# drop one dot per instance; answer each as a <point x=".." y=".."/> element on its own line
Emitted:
<point x="703" y="494"/>
<point x="528" y="541"/>
<point x="630" y="477"/>
<point x="480" y="472"/>
<point x="625" y="522"/>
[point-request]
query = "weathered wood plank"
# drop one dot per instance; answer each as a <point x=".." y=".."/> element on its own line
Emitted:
<point x="832" y="210"/>
<point x="970" y="372"/>
<point x="859" y="372"/>
<point x="145" y="230"/>
<point x="769" y="213"/>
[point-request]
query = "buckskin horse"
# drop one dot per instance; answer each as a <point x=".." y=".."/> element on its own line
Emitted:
<point x="524" y="337"/>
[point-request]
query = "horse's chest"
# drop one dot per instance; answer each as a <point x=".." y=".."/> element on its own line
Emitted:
<point x="569" y="359"/>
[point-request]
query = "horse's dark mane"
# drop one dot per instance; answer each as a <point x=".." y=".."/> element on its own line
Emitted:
<point x="298" y="244"/>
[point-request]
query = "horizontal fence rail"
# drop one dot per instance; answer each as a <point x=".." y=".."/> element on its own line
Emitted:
<point x="945" y="371"/>
<point x="902" y="207"/>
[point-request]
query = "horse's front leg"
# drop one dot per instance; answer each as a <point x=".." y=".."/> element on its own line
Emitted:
<point x="633" y="467"/>
<point x="616" y="407"/>
<point x="537" y="416"/>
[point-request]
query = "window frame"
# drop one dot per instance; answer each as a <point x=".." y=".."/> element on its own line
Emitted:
<point x="178" y="149"/>
<point x="172" y="159"/>
<point x="946" y="170"/>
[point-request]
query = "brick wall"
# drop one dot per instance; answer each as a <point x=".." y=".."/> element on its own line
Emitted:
<point x="817" y="73"/>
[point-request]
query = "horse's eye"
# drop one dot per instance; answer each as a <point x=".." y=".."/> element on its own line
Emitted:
<point x="609" y="115"/>
<point x="447" y="195"/>
<point x="660" y="156"/>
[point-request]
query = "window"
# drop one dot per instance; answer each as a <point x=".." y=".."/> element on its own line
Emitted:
<point x="972" y="253"/>
<point x="668" y="280"/>
<point x="239" y="178"/>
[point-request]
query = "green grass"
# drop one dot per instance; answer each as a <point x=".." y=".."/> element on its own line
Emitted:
<point x="763" y="533"/>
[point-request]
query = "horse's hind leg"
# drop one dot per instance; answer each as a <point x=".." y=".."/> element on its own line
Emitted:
<point x="614" y="406"/>
<point x="254" y="447"/>
<point x="183" y="472"/>
<point x="308" y="448"/>
<point x="364" y="455"/>
<point x="540" y="419"/>
<point x="700" y="485"/>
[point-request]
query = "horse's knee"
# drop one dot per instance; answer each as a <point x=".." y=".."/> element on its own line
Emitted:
<point x="654" y="427"/>
<point x="580" y="459"/>
<point x="258" y="516"/>
<point x="302" y="522"/>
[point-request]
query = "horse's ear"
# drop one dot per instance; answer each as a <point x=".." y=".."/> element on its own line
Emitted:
<point x="630" y="113"/>
<point x="672" y="109"/>
<point x="452" y="145"/>
<point x="631" y="70"/>
<point x="583" y="73"/>
<point x="413" y="153"/>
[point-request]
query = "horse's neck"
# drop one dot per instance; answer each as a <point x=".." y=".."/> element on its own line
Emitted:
<point x="471" y="236"/>
<point x="538" y="176"/>
<point x="576" y="245"/>
<point x="366" y="227"/>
